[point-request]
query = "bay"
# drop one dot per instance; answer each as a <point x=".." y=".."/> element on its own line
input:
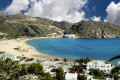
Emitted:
<point x="98" y="49"/>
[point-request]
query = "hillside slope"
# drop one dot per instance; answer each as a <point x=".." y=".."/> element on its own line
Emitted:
<point x="92" y="29"/>
<point x="23" y="25"/>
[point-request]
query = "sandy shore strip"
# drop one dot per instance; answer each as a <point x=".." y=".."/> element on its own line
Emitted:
<point x="19" y="47"/>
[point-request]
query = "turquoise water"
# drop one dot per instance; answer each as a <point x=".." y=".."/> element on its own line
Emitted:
<point x="100" y="49"/>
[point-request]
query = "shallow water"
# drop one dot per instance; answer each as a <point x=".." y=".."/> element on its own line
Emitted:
<point x="100" y="49"/>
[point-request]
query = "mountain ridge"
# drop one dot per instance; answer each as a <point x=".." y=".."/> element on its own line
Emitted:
<point x="23" y="25"/>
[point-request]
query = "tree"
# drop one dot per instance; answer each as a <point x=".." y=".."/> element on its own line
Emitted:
<point x="3" y="77"/>
<point x="78" y="68"/>
<point x="86" y="60"/>
<point x="15" y="75"/>
<point x="24" y="71"/>
<point x="83" y="60"/>
<point x="97" y="74"/>
<point x="47" y="75"/>
<point x="116" y="77"/>
<point x="1" y="52"/>
<point x="80" y="60"/>
<point x="115" y="72"/>
<point x="53" y="70"/>
<point x="36" y="68"/>
<point x="60" y="75"/>
<point x="81" y="77"/>
<point x="65" y="60"/>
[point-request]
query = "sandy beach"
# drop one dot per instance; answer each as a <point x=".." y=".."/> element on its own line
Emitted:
<point x="19" y="47"/>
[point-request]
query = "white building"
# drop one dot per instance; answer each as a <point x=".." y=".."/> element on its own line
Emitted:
<point x="6" y="55"/>
<point x="90" y="77"/>
<point x="21" y="62"/>
<point x="69" y="36"/>
<point x="48" y="65"/>
<point x="118" y="64"/>
<point x="53" y="34"/>
<point x="106" y="67"/>
<point x="71" y="76"/>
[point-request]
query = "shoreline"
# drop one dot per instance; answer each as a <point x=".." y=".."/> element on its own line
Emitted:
<point x="19" y="47"/>
<point x="8" y="46"/>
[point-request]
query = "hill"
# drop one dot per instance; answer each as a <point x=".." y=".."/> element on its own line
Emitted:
<point x="92" y="29"/>
<point x="23" y="25"/>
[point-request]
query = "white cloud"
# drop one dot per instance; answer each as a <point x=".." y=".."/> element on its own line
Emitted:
<point x="17" y="6"/>
<point x="94" y="18"/>
<point x="113" y="11"/>
<point x="59" y="10"/>
<point x="105" y="20"/>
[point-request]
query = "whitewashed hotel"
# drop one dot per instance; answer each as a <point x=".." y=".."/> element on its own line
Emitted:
<point x="106" y="67"/>
<point x="69" y="36"/>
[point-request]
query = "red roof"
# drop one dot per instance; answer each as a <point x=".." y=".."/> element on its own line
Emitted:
<point x="75" y="72"/>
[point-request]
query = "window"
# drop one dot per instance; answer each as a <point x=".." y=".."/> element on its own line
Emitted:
<point x="102" y="66"/>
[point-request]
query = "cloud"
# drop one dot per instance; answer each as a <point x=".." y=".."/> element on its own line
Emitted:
<point x="58" y="10"/>
<point x="94" y="18"/>
<point x="17" y="6"/>
<point x="105" y="20"/>
<point x="113" y="13"/>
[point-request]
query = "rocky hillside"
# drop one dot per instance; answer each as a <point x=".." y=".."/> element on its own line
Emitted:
<point x="92" y="29"/>
<point x="22" y="25"/>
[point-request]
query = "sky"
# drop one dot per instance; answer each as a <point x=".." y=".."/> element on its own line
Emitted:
<point x="65" y="10"/>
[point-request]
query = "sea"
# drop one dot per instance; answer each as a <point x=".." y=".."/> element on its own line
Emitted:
<point x="96" y="49"/>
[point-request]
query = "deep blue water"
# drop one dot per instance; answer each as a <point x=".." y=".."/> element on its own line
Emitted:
<point x="100" y="49"/>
